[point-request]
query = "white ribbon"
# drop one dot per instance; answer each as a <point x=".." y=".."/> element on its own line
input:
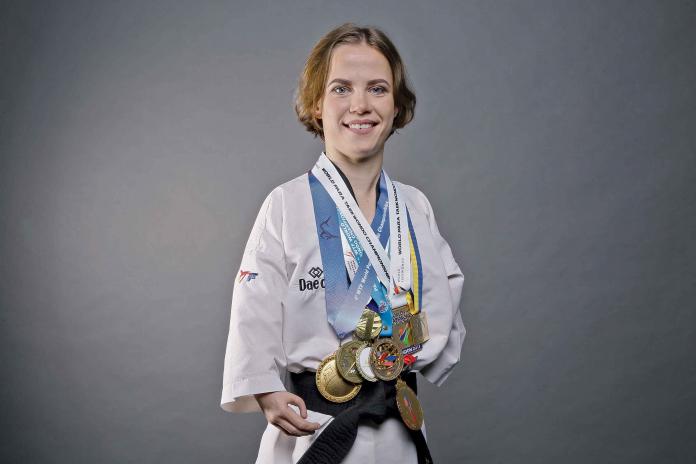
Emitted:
<point x="398" y="266"/>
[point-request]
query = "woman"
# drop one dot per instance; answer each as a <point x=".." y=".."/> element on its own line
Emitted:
<point x="346" y="287"/>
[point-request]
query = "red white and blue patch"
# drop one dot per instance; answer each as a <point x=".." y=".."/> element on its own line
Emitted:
<point x="246" y="276"/>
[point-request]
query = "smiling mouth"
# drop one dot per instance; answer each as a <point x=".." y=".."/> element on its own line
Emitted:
<point x="360" y="129"/>
<point x="361" y="126"/>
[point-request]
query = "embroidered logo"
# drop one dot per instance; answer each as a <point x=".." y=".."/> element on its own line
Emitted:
<point x="315" y="272"/>
<point x="315" y="283"/>
<point x="246" y="276"/>
<point x="325" y="234"/>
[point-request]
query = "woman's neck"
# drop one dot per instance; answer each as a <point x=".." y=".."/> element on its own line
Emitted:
<point x="363" y="175"/>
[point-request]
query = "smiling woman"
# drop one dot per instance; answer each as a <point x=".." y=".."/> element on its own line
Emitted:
<point x="358" y="110"/>
<point x="315" y="77"/>
<point x="354" y="289"/>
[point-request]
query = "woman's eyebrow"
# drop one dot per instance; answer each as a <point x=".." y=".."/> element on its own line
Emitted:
<point x="371" y="82"/>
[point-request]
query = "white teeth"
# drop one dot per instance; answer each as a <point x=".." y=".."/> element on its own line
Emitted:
<point x="360" y="126"/>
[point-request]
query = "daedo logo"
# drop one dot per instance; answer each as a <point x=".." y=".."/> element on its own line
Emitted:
<point x="315" y="283"/>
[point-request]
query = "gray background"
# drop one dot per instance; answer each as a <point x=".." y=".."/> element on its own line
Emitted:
<point x="555" y="140"/>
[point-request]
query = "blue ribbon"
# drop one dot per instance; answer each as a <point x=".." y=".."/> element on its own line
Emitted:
<point x="380" y="301"/>
<point x="344" y="303"/>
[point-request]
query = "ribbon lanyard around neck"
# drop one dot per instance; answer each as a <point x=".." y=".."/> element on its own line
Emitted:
<point x="344" y="303"/>
<point x="398" y="265"/>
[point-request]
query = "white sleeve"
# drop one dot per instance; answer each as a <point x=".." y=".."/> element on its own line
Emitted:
<point x="437" y="371"/>
<point x="255" y="360"/>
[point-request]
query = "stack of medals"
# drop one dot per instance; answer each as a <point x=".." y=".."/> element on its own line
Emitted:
<point x="370" y="358"/>
<point x="382" y="347"/>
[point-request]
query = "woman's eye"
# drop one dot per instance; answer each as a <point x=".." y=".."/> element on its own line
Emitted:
<point x="378" y="89"/>
<point x="341" y="90"/>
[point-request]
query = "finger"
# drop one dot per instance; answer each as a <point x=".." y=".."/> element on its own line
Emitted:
<point x="288" y="428"/>
<point x="299" y="402"/>
<point x="277" y="425"/>
<point x="300" y="423"/>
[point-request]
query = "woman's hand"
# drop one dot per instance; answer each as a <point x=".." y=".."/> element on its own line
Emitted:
<point x="275" y="407"/>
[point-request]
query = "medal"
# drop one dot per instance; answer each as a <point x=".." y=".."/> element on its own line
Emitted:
<point x="411" y="330"/>
<point x="409" y="406"/>
<point x="346" y="360"/>
<point x="386" y="359"/>
<point x="330" y="383"/>
<point x="401" y="329"/>
<point x="363" y="364"/>
<point x="419" y="328"/>
<point x="369" y="326"/>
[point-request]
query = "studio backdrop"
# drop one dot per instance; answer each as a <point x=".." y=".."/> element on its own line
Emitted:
<point x="556" y="141"/>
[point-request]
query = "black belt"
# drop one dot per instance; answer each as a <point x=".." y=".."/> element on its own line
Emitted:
<point x="376" y="401"/>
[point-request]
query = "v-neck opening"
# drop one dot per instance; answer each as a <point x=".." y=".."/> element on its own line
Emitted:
<point x="350" y="187"/>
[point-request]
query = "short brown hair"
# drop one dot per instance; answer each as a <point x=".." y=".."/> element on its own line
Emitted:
<point x="310" y="89"/>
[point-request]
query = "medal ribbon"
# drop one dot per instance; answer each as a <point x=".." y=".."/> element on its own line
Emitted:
<point x="353" y="250"/>
<point x="399" y="265"/>
<point x="344" y="304"/>
<point x="416" y="270"/>
<point x="384" y="265"/>
<point x="353" y="254"/>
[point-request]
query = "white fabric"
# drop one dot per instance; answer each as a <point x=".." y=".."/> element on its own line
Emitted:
<point x="369" y="448"/>
<point x="276" y="327"/>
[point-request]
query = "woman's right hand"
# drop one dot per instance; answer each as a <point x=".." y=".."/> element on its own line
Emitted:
<point x="275" y="407"/>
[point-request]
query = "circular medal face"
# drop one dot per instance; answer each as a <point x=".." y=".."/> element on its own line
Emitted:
<point x="363" y="364"/>
<point x="386" y="359"/>
<point x="409" y="406"/>
<point x="369" y="326"/>
<point x="346" y="360"/>
<point x="330" y="383"/>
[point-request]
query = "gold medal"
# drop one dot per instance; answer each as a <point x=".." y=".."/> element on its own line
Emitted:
<point x="387" y="359"/>
<point x="330" y="383"/>
<point x="409" y="406"/>
<point x="369" y="326"/>
<point x="346" y="360"/>
<point x="363" y="365"/>
<point x="419" y="328"/>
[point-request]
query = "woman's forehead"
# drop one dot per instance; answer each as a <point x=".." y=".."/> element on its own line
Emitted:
<point x="360" y="61"/>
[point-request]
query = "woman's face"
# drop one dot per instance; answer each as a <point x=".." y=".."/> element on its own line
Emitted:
<point x="357" y="109"/>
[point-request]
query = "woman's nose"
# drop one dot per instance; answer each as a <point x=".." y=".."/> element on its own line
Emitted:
<point x="359" y="103"/>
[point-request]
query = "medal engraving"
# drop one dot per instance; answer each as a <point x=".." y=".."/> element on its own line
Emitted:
<point x="409" y="350"/>
<point x="401" y="325"/>
<point x="387" y="359"/>
<point x="346" y="360"/>
<point x="330" y="383"/>
<point x="409" y="407"/>
<point x="369" y="326"/>
<point x="419" y="328"/>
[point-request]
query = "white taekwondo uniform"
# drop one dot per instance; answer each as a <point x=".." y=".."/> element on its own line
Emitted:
<point x="278" y="321"/>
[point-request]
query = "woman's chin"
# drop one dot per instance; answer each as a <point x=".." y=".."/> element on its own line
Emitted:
<point x="362" y="152"/>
